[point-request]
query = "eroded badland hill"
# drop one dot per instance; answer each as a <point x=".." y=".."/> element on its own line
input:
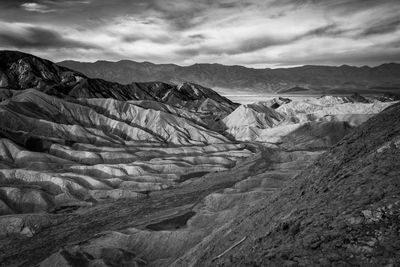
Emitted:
<point x="95" y="173"/>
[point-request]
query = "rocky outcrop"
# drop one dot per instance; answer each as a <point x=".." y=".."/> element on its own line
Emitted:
<point x="256" y="115"/>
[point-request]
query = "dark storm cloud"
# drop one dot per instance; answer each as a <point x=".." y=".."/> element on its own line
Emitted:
<point x="132" y="38"/>
<point x="382" y="27"/>
<point x="32" y="37"/>
<point x="228" y="5"/>
<point x="328" y="30"/>
<point x="234" y="4"/>
<point x="197" y="36"/>
<point x="257" y="44"/>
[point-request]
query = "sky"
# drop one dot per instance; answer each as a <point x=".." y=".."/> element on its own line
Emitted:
<point x="252" y="33"/>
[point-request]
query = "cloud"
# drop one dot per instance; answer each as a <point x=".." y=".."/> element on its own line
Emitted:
<point x="197" y="36"/>
<point x="382" y="28"/>
<point x="251" y="43"/>
<point x="27" y="36"/>
<point x="240" y="47"/>
<point x="49" y="6"/>
<point x="35" y="7"/>
<point x="258" y="33"/>
<point x="328" y="30"/>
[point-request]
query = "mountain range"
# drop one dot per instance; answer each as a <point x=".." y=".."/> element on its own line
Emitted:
<point x="238" y="79"/>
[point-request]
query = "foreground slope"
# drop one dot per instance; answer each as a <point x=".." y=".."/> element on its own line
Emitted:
<point x="342" y="210"/>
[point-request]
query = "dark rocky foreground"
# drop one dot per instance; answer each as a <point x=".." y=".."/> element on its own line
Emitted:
<point x="94" y="173"/>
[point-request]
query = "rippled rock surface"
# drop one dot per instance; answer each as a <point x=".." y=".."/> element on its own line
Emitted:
<point x="67" y="141"/>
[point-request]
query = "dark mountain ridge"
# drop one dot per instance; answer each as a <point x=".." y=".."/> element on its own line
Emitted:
<point x="20" y="71"/>
<point x="383" y="78"/>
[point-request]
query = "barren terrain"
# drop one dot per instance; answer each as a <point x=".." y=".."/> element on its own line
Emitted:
<point x="94" y="173"/>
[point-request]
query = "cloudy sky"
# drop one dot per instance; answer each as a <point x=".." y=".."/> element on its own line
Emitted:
<point x="254" y="33"/>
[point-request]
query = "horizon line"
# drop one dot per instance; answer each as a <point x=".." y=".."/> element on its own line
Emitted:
<point x="233" y="65"/>
<point x="207" y="63"/>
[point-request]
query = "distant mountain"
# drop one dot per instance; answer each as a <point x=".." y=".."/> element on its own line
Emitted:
<point x="325" y="79"/>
